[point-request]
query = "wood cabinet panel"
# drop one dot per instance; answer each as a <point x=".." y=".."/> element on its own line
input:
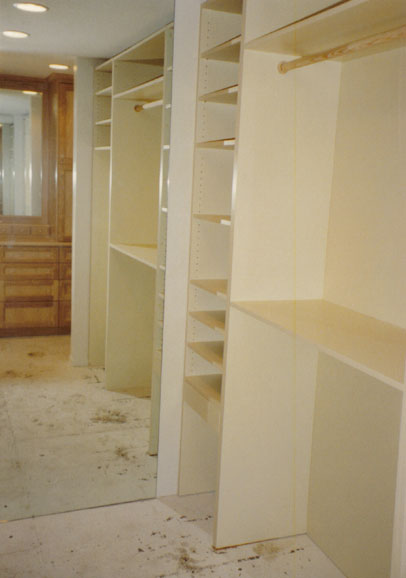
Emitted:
<point x="64" y="314"/>
<point x="64" y="290"/>
<point x="28" y="271"/>
<point x="28" y="314"/>
<point x="65" y="254"/>
<point x="29" y="290"/>
<point x="30" y="254"/>
<point x="65" y="271"/>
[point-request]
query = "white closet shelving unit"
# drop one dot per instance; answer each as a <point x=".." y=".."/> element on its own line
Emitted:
<point x="298" y="422"/>
<point x="220" y="44"/>
<point x="132" y="145"/>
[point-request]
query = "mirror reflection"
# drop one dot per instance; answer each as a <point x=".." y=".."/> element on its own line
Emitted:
<point x="20" y="152"/>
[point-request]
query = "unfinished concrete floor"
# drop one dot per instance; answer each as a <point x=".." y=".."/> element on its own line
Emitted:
<point x="66" y="443"/>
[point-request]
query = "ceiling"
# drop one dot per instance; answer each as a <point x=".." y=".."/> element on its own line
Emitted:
<point x="71" y="28"/>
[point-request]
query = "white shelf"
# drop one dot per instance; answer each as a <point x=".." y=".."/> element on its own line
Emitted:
<point x="103" y="148"/>
<point x="231" y="6"/>
<point x="213" y="319"/>
<point x="144" y="93"/>
<point x="373" y="346"/>
<point x="144" y="254"/>
<point x="227" y="95"/>
<point x="105" y="122"/>
<point x="339" y="25"/>
<point x="211" y="351"/>
<point x="216" y="286"/>
<point x="228" y="51"/>
<point x="203" y="393"/>
<point x="218" y="219"/>
<point x="222" y="144"/>
<point x="105" y="91"/>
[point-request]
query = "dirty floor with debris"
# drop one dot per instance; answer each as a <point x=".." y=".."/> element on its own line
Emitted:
<point x="162" y="538"/>
<point x="66" y="443"/>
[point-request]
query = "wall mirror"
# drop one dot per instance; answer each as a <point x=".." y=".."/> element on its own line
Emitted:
<point x="22" y="150"/>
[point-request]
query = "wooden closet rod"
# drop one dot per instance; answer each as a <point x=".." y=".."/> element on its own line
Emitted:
<point x="349" y="48"/>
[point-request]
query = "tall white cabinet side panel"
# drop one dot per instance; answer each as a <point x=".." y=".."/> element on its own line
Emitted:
<point x="82" y="201"/>
<point x="266" y="437"/>
<point x="186" y="39"/>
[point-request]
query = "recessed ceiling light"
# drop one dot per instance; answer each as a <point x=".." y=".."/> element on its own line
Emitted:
<point x="29" y="92"/>
<point x="30" y="7"/>
<point x="59" y="66"/>
<point x="15" y="34"/>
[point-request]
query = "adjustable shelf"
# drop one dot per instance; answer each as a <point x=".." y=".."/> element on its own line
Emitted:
<point x="106" y="122"/>
<point x="223" y="144"/>
<point x="347" y="22"/>
<point x="105" y="91"/>
<point x="203" y="393"/>
<point x="103" y="148"/>
<point x="376" y="347"/>
<point x="228" y="51"/>
<point x="216" y="286"/>
<point x="219" y="219"/>
<point x="144" y="93"/>
<point x="142" y="253"/>
<point x="226" y="95"/>
<point x="213" y="319"/>
<point x="211" y="351"/>
<point x="231" y="6"/>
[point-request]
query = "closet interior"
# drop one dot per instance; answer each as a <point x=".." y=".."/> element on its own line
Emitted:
<point x="132" y="110"/>
<point x="294" y="388"/>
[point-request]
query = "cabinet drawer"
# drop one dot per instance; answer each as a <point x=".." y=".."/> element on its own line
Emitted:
<point x="30" y="254"/>
<point x="27" y="271"/>
<point x="65" y="271"/>
<point x="29" y="290"/>
<point x="65" y="254"/>
<point x="64" y="314"/>
<point x="28" y="314"/>
<point x="64" y="290"/>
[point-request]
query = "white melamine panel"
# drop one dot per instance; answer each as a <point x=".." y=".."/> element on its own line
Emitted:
<point x="215" y="121"/>
<point x="217" y="27"/>
<point x="136" y="140"/>
<point x="365" y="267"/>
<point x="213" y="181"/>
<point x="354" y="466"/>
<point x="129" y="323"/>
<point x="263" y="16"/>
<point x="99" y="254"/>
<point x="375" y="347"/>
<point x="265" y="446"/>
<point x="347" y="21"/>
<point x="285" y="164"/>
<point x="214" y="75"/>
<point x="210" y="251"/>
<point x="198" y="454"/>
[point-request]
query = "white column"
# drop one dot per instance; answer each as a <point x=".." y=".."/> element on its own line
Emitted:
<point x="186" y="40"/>
<point x="82" y="196"/>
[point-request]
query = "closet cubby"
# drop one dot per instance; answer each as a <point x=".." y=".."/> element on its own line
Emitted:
<point x="132" y="121"/>
<point x="297" y="311"/>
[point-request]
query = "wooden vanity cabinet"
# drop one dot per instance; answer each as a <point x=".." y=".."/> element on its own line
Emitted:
<point x="35" y="289"/>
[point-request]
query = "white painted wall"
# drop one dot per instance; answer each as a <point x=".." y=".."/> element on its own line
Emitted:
<point x="187" y="16"/>
<point x="82" y="197"/>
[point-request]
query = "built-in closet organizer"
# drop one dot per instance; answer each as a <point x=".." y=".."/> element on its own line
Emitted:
<point x="131" y="158"/>
<point x="309" y="433"/>
<point x="218" y="79"/>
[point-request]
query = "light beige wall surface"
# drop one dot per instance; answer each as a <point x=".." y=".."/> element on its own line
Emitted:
<point x="365" y="267"/>
<point x="354" y="467"/>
